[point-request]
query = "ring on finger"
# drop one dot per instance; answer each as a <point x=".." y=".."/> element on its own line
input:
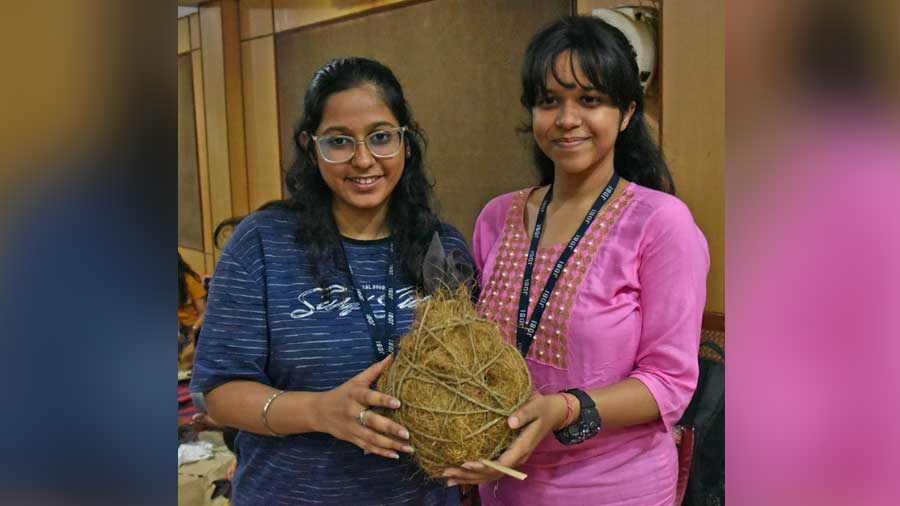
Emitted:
<point x="361" y="417"/>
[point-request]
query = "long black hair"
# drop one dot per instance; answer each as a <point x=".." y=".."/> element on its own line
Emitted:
<point x="410" y="216"/>
<point x="184" y="270"/>
<point x="610" y="63"/>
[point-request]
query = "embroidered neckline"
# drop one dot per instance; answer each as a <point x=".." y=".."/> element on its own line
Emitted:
<point x="619" y="202"/>
<point x="551" y="343"/>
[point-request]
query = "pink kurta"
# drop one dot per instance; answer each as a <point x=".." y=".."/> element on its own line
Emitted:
<point x="628" y="305"/>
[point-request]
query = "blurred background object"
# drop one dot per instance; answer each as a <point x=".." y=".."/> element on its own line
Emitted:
<point x="813" y="252"/>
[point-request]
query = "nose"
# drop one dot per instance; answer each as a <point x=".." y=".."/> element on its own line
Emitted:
<point x="362" y="159"/>
<point x="568" y="117"/>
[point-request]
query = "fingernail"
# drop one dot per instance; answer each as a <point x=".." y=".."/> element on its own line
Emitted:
<point x="513" y="422"/>
<point x="395" y="403"/>
<point x="403" y="434"/>
<point x="394" y="455"/>
<point x="451" y="483"/>
<point x="471" y="466"/>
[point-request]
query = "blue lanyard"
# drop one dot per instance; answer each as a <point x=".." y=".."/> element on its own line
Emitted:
<point x="382" y="341"/>
<point x="525" y="330"/>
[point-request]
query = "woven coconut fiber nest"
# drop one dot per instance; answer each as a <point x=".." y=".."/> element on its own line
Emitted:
<point x="458" y="382"/>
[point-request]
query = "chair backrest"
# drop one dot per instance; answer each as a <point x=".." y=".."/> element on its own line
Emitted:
<point x="706" y="416"/>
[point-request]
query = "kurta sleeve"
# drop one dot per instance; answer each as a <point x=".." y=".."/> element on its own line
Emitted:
<point x="234" y="341"/>
<point x="674" y="262"/>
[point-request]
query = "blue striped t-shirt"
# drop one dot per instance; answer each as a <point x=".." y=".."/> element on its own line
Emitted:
<point x="267" y="321"/>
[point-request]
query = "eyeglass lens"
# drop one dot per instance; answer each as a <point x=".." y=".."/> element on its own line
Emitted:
<point x="340" y="148"/>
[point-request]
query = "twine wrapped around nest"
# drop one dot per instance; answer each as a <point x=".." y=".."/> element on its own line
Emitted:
<point x="458" y="382"/>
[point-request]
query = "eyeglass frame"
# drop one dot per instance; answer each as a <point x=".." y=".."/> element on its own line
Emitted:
<point x="356" y="142"/>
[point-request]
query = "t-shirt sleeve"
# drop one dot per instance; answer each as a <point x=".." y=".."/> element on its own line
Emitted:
<point x="453" y="240"/>
<point x="233" y="343"/>
<point x="674" y="262"/>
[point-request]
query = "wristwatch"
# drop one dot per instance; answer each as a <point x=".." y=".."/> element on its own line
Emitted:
<point x="586" y="426"/>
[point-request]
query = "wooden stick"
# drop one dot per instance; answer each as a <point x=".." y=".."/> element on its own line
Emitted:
<point x="503" y="469"/>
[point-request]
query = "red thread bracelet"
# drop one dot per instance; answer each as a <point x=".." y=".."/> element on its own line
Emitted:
<point x="570" y="409"/>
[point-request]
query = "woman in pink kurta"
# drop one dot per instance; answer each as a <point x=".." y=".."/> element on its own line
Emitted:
<point x="623" y="321"/>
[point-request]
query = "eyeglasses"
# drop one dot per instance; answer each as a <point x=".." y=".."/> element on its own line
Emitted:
<point x="341" y="148"/>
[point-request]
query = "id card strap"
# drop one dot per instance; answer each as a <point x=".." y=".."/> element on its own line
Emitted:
<point x="526" y="328"/>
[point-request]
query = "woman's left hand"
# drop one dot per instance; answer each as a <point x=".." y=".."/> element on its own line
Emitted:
<point x="539" y="416"/>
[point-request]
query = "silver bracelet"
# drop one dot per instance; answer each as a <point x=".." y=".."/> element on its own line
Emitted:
<point x="265" y="413"/>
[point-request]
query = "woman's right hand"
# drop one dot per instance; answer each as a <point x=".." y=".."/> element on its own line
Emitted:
<point x="339" y="410"/>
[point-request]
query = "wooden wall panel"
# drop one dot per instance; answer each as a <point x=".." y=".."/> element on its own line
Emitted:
<point x="256" y="18"/>
<point x="261" y="121"/>
<point x="584" y="7"/>
<point x="216" y="117"/>
<point x="194" y="23"/>
<point x="184" y="35"/>
<point x="693" y="123"/>
<point x="234" y="106"/>
<point x="290" y="14"/>
<point x="190" y="221"/>
<point x="203" y="165"/>
<point x="461" y="79"/>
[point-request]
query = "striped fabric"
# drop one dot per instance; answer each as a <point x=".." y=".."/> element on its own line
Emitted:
<point x="267" y="321"/>
<point x="186" y="407"/>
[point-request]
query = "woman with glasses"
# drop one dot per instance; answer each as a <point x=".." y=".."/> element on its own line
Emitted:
<point x="310" y="297"/>
<point x="598" y="276"/>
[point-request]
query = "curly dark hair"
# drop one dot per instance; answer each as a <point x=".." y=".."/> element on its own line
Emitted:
<point x="184" y="270"/>
<point x="610" y="63"/>
<point x="411" y="217"/>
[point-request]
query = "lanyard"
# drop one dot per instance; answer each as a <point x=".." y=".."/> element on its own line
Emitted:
<point x="383" y="341"/>
<point x="525" y="330"/>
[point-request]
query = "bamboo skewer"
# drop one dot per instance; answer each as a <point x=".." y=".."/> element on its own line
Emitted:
<point x="496" y="466"/>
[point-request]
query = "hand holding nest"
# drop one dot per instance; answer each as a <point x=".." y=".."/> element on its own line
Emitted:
<point x="345" y="413"/>
<point x="541" y="415"/>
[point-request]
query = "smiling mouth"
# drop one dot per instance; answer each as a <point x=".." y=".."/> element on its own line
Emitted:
<point x="364" y="181"/>
<point x="569" y="141"/>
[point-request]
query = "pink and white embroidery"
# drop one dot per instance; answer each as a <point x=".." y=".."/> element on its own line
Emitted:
<point x="500" y="296"/>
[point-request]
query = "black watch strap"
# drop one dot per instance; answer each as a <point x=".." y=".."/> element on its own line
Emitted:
<point x="583" y="398"/>
<point x="586" y="426"/>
